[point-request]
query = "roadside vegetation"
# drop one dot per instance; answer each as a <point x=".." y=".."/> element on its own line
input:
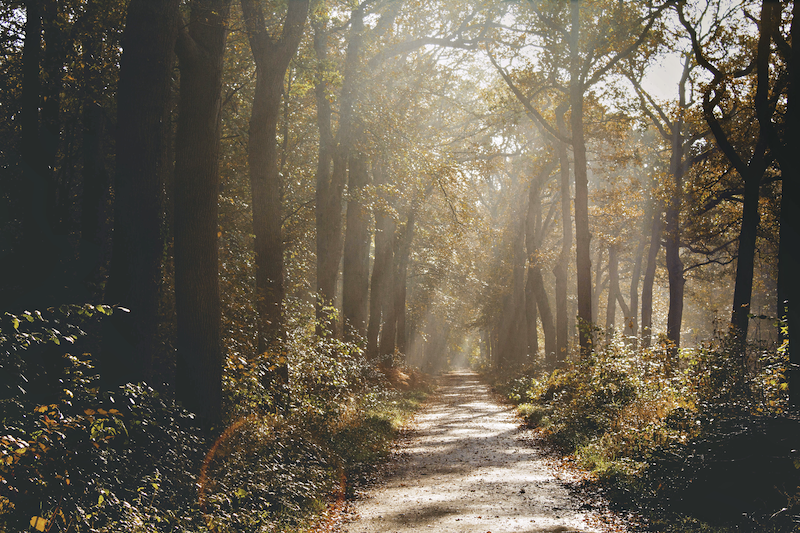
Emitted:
<point x="77" y="457"/>
<point x="695" y="441"/>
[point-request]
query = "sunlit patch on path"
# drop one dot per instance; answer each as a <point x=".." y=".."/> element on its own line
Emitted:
<point x="467" y="470"/>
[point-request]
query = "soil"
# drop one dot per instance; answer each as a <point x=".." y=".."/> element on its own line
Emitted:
<point x="469" y="466"/>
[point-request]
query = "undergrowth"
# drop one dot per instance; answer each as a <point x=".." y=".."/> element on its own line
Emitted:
<point x="701" y="441"/>
<point x="76" y="458"/>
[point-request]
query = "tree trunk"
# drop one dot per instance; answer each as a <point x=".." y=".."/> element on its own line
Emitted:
<point x="631" y="318"/>
<point x="380" y="281"/>
<point x="560" y="270"/>
<point x="535" y="293"/>
<point x="532" y="317"/>
<point x="672" y="243"/>
<point x="329" y="206"/>
<point x="788" y="251"/>
<point x="745" y="258"/>
<point x="272" y="58"/>
<point x="518" y="334"/>
<point x="355" y="274"/>
<point x="387" y="292"/>
<point x="95" y="180"/>
<point x="613" y="289"/>
<point x="582" y="235"/>
<point x="401" y="280"/>
<point x="328" y="194"/>
<point x="200" y="48"/>
<point x="545" y="314"/>
<point x="650" y="276"/>
<point x="597" y="286"/>
<point x="143" y="96"/>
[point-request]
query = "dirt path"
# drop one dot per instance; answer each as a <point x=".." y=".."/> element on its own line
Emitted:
<point x="467" y="469"/>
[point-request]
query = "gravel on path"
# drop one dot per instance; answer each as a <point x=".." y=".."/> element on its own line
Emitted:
<point x="468" y="469"/>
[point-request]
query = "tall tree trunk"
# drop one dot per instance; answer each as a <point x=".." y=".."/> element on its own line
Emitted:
<point x="788" y="305"/>
<point x="328" y="194"/>
<point x="631" y="318"/>
<point x="598" y="285"/>
<point x="31" y="86"/>
<point x="53" y="59"/>
<point x="614" y="292"/>
<point x="200" y="47"/>
<point x="401" y="279"/>
<point x="745" y="258"/>
<point x="560" y="270"/>
<point x="532" y="316"/>
<point x="355" y="272"/>
<point x="95" y="224"/>
<point x="582" y="235"/>
<point x="535" y="293"/>
<point x="613" y="289"/>
<point x="272" y="58"/>
<point x="388" y="307"/>
<point x="380" y="281"/>
<point x="650" y="275"/>
<point x="672" y="242"/>
<point x="518" y="333"/>
<point x="545" y="314"/>
<point x="94" y="178"/>
<point x="329" y="206"/>
<point x="142" y="99"/>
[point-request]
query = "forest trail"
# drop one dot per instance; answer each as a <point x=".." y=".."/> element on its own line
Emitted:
<point x="467" y="468"/>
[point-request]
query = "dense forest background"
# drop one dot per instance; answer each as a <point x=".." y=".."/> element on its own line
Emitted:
<point x="254" y="206"/>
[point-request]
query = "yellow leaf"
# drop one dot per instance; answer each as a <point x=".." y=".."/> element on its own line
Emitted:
<point x="89" y="412"/>
<point x="102" y="411"/>
<point x="38" y="523"/>
<point x="41" y="409"/>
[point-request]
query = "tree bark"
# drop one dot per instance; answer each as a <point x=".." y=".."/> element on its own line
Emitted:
<point x="517" y="339"/>
<point x="631" y="318"/>
<point x="403" y="257"/>
<point x="355" y="272"/>
<point x="788" y="304"/>
<point x="743" y="288"/>
<point x="272" y="58"/>
<point x="329" y="206"/>
<point x="143" y="96"/>
<point x="380" y="282"/>
<point x="650" y="276"/>
<point x="535" y="293"/>
<point x="532" y="316"/>
<point x="328" y="194"/>
<point x="200" y="48"/>
<point x="388" y="340"/>
<point x="582" y="235"/>
<point x="560" y="270"/>
<point x="545" y="314"/>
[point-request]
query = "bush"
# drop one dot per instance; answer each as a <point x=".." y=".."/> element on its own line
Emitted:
<point x="706" y="434"/>
<point x="131" y="460"/>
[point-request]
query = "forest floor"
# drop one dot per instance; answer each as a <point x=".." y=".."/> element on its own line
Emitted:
<point x="469" y="466"/>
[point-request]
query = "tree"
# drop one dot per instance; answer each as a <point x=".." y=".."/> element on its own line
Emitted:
<point x="750" y="165"/>
<point x="332" y="166"/>
<point x="144" y="87"/>
<point x="355" y="270"/>
<point x="200" y="48"/>
<point x="272" y="57"/>
<point x="590" y="58"/>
